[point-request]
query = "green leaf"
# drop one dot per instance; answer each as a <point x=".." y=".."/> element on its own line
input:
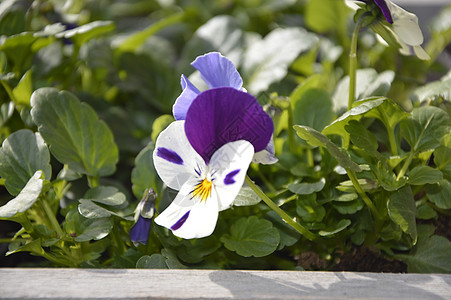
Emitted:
<point x="252" y="237"/>
<point x="26" y="198"/>
<point x="84" y="33"/>
<point x="135" y="40"/>
<point x="326" y="16"/>
<point x="93" y="229"/>
<point x="266" y="61"/>
<point x="155" y="261"/>
<point x="22" y="92"/>
<point x="348" y="187"/>
<point x="288" y="235"/>
<point x="348" y="208"/>
<point x="384" y="109"/>
<point x="368" y="84"/>
<point x="221" y="33"/>
<point x="144" y="174"/>
<point x="402" y="210"/>
<point x="425" y="212"/>
<point x="18" y="47"/>
<point x="305" y="188"/>
<point x="309" y="209"/>
<point x="160" y="124"/>
<point x="172" y="261"/>
<point x="6" y="112"/>
<point x="312" y="82"/>
<point x="33" y="247"/>
<point x="314" y="109"/>
<point x="315" y="138"/>
<point x="432" y="89"/>
<point x="74" y="133"/>
<point x="424" y="174"/>
<point x="194" y="251"/>
<point x="431" y="255"/>
<point x="442" y="156"/>
<point x="440" y="193"/>
<point x="425" y="128"/>
<point x="361" y="137"/>
<point x="336" y="228"/>
<point x="102" y="202"/>
<point x="138" y="79"/>
<point x="21" y="155"/>
<point x="107" y="195"/>
<point x="246" y="197"/>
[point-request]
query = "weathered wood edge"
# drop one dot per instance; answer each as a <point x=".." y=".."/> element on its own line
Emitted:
<point x="215" y="284"/>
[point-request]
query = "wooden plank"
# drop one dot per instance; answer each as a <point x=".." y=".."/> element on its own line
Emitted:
<point x="215" y="284"/>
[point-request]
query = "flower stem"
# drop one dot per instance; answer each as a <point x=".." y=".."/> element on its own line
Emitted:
<point x="51" y="216"/>
<point x="405" y="166"/>
<point x="93" y="181"/>
<point x="305" y="232"/>
<point x="353" y="63"/>
<point x="291" y="142"/>
<point x="392" y="141"/>
<point x="362" y="194"/>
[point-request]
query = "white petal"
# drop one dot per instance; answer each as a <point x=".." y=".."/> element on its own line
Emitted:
<point x="228" y="166"/>
<point x="174" y="159"/>
<point x="189" y="217"/>
<point x="405" y="25"/>
<point x="421" y="54"/>
<point x="266" y="156"/>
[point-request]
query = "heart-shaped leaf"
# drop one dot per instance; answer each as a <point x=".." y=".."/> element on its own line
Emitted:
<point x="21" y="155"/>
<point x="74" y="133"/>
<point x="252" y="237"/>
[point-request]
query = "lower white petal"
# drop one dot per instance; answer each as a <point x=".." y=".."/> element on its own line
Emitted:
<point x="229" y="165"/>
<point x="190" y="217"/>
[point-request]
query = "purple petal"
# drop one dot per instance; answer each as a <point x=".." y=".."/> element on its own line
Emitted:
<point x="383" y="6"/>
<point x="181" y="221"/>
<point x="217" y="71"/>
<point x="139" y="233"/>
<point x="183" y="102"/>
<point x="169" y="155"/>
<point x="222" y="115"/>
<point x="229" y="177"/>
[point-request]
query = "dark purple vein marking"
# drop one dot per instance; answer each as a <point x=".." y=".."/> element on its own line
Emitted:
<point x="229" y="177"/>
<point x="169" y="155"/>
<point x="181" y="221"/>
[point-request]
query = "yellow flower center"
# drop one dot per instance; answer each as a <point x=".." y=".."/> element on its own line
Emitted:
<point x="202" y="190"/>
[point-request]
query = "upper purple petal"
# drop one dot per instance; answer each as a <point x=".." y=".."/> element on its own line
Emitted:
<point x="222" y="115"/>
<point x="217" y="71"/>
<point x="383" y="6"/>
<point x="185" y="99"/>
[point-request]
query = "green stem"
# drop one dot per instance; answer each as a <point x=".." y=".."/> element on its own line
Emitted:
<point x="8" y="91"/>
<point x="51" y="216"/>
<point x="10" y="240"/>
<point x="93" y="181"/>
<point x="291" y="142"/>
<point x="310" y="160"/>
<point x="353" y="63"/>
<point x="305" y="232"/>
<point x="362" y="194"/>
<point x="405" y="166"/>
<point x="392" y="141"/>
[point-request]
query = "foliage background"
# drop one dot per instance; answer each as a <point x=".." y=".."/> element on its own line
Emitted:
<point x="124" y="60"/>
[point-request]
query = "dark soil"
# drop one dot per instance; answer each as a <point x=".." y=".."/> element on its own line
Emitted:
<point x="362" y="259"/>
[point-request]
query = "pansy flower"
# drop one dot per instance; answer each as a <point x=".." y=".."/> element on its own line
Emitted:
<point x="144" y="213"/>
<point x="402" y="25"/>
<point x="206" y="157"/>
<point x="216" y="71"/>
